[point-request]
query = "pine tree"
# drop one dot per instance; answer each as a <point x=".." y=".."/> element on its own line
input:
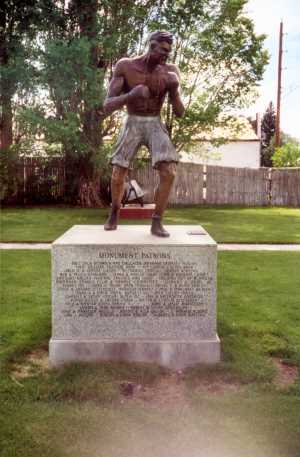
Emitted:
<point x="268" y="126"/>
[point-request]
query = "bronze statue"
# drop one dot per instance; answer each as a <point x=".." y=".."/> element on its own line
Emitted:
<point x="142" y="83"/>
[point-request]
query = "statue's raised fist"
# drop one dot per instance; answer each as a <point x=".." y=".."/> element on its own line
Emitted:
<point x="173" y="81"/>
<point x="139" y="91"/>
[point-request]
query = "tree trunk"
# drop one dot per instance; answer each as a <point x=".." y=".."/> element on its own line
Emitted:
<point x="89" y="185"/>
<point x="89" y="175"/>
<point x="88" y="195"/>
<point x="71" y="177"/>
<point x="82" y="182"/>
<point x="6" y="92"/>
<point x="6" y="122"/>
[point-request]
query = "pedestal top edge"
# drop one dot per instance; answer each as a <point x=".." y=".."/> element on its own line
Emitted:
<point x="85" y="235"/>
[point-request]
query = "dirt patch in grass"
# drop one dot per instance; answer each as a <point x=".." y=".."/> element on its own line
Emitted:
<point x="39" y="358"/>
<point x="171" y="390"/>
<point x="168" y="391"/>
<point x="286" y="374"/>
<point x="219" y="387"/>
<point x="216" y="383"/>
<point x="36" y="361"/>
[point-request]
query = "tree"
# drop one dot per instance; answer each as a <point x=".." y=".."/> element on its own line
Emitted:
<point x="220" y="57"/>
<point x="287" y="155"/>
<point x="76" y="60"/>
<point x="268" y="126"/>
<point x="20" y="21"/>
<point x="221" y="60"/>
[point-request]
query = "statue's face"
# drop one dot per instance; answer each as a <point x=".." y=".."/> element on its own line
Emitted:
<point x="160" y="52"/>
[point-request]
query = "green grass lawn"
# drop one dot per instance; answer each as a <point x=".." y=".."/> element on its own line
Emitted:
<point x="232" y="410"/>
<point x="225" y="224"/>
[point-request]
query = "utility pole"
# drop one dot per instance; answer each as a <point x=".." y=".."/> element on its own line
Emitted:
<point x="277" y="132"/>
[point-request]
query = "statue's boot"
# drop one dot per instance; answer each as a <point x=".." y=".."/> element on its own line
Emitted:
<point x="167" y="172"/>
<point x="117" y="191"/>
<point x="157" y="227"/>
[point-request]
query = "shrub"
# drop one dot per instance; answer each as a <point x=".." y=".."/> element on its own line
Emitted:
<point x="287" y="155"/>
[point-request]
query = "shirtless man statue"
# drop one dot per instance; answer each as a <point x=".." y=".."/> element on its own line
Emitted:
<point x="142" y="83"/>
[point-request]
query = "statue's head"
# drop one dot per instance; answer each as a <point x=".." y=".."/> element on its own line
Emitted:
<point x="160" y="46"/>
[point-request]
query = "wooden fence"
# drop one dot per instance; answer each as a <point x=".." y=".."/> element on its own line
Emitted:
<point x="40" y="180"/>
<point x="214" y="185"/>
<point x="285" y="187"/>
<point x="237" y="186"/>
<point x="43" y="181"/>
<point x="187" y="188"/>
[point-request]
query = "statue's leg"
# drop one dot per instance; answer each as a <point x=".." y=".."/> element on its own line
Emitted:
<point x="117" y="190"/>
<point x="167" y="172"/>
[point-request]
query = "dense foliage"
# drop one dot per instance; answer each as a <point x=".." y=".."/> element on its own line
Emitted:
<point x="288" y="155"/>
<point x="58" y="56"/>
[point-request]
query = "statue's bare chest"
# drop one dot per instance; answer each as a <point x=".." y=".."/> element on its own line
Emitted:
<point x="156" y="80"/>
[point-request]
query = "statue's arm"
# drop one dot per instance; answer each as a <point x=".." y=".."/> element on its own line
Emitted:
<point x="174" y="91"/>
<point x="115" y="99"/>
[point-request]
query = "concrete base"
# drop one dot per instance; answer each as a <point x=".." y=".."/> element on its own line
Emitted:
<point x="171" y="354"/>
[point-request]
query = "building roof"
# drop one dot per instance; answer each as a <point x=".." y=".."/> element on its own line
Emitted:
<point x="237" y="129"/>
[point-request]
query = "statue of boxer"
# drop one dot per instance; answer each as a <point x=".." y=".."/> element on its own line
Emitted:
<point x="142" y="83"/>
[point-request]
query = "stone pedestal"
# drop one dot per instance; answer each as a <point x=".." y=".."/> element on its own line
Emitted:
<point x="127" y="295"/>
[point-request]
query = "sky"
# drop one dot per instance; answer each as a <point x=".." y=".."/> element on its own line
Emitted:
<point x="267" y="15"/>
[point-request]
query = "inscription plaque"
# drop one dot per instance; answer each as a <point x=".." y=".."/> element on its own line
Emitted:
<point x="110" y="288"/>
